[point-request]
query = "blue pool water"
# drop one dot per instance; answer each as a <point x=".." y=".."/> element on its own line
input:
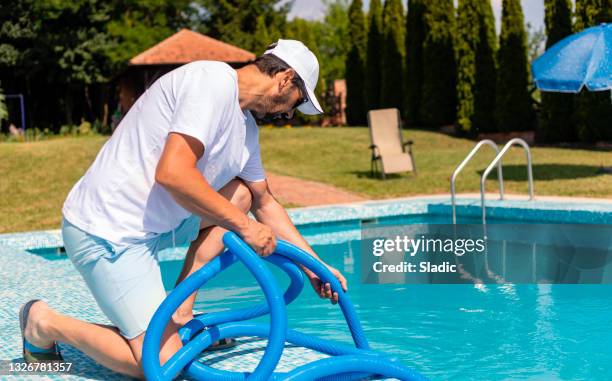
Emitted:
<point x="447" y="332"/>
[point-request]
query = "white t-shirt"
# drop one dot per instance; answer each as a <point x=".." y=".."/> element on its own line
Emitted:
<point x="118" y="199"/>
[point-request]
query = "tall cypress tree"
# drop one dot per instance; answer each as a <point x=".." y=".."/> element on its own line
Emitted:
<point x="374" y="55"/>
<point x="3" y="109"/>
<point x="593" y="114"/>
<point x="556" y="112"/>
<point x="607" y="10"/>
<point x="415" y="38"/>
<point x="439" y="99"/>
<point x="393" y="55"/>
<point x="467" y="40"/>
<point x="513" y="111"/>
<point x="476" y="66"/>
<point x="592" y="12"/>
<point x="262" y="37"/>
<point x="355" y="66"/>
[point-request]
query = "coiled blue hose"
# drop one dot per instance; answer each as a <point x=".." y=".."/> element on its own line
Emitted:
<point x="346" y="362"/>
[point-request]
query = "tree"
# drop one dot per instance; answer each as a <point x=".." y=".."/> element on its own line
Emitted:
<point x="513" y="111"/>
<point x="355" y="66"/>
<point x="415" y="39"/>
<point x="139" y="24"/>
<point x="307" y="31"/>
<point x="556" y="112"/>
<point x="262" y="37"/>
<point x="3" y="109"/>
<point x="56" y="51"/>
<point x="374" y="55"/>
<point x="592" y="12"/>
<point x="593" y="115"/>
<point x="236" y="21"/>
<point x="476" y="46"/>
<point x="332" y="37"/>
<point x="61" y="54"/>
<point x="438" y="104"/>
<point x="393" y="55"/>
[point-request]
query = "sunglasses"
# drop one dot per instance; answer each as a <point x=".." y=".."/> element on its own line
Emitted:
<point x="303" y="99"/>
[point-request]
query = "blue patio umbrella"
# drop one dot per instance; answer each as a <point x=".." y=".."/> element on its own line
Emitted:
<point x="581" y="60"/>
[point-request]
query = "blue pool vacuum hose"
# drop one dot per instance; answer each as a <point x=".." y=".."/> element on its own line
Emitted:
<point x="346" y="362"/>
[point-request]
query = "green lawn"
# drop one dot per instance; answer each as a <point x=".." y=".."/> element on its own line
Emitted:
<point x="339" y="156"/>
<point x="36" y="177"/>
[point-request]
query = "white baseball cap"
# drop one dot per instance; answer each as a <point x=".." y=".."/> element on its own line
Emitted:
<point x="304" y="62"/>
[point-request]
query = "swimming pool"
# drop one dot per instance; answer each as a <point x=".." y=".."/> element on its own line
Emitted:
<point x="447" y="332"/>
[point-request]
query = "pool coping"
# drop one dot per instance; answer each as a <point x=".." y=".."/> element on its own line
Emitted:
<point x="554" y="209"/>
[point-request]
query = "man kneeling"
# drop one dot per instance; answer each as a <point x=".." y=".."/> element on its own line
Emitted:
<point x="182" y="167"/>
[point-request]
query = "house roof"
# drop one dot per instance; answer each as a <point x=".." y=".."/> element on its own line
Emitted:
<point x="187" y="46"/>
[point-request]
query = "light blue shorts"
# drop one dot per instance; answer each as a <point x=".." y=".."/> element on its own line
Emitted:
<point x="125" y="280"/>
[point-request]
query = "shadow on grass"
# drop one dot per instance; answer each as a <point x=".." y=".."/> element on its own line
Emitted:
<point x="547" y="172"/>
<point x="390" y="176"/>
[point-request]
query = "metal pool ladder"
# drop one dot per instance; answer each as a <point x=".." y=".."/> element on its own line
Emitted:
<point x="496" y="162"/>
<point x="464" y="163"/>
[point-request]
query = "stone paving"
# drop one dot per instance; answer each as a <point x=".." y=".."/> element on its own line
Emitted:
<point x="298" y="192"/>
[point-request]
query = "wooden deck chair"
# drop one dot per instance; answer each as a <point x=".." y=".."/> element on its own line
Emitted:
<point x="387" y="147"/>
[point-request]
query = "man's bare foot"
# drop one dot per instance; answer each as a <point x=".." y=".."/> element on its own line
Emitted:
<point x="37" y="323"/>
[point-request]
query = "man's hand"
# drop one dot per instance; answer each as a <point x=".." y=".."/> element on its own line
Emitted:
<point x="324" y="289"/>
<point x="260" y="237"/>
<point x="270" y="212"/>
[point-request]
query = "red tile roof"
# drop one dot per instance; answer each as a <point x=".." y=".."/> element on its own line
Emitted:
<point x="187" y="46"/>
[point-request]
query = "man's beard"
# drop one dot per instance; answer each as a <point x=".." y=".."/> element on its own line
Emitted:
<point x="272" y="103"/>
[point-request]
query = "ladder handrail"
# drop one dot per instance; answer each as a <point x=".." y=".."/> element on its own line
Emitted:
<point x="497" y="160"/>
<point x="464" y="163"/>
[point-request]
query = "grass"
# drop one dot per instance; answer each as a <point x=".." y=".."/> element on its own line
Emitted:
<point x="36" y="177"/>
<point x="340" y="156"/>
